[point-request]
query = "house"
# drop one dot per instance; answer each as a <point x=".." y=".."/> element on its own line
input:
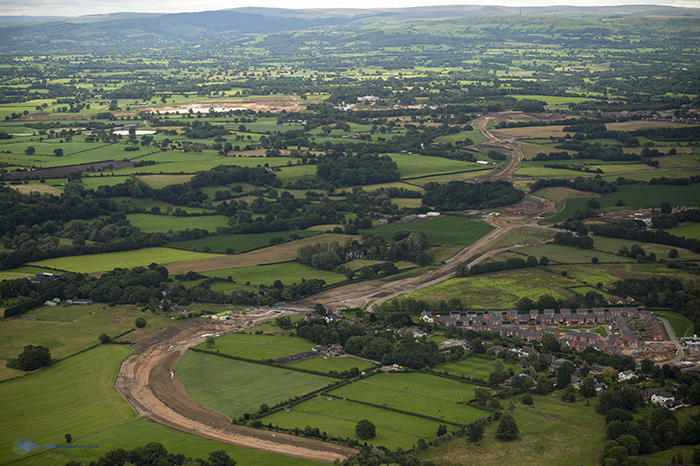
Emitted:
<point x="427" y="316"/>
<point x="658" y="397"/>
<point x="332" y="318"/>
<point x="597" y="368"/>
<point x="534" y="314"/>
<point x="180" y="309"/>
<point x="334" y="350"/>
<point x="43" y="277"/>
<point x="626" y="375"/>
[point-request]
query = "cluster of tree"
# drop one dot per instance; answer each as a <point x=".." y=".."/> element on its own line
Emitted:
<point x="351" y="171"/>
<point x="31" y="358"/>
<point x="459" y="195"/>
<point x="568" y="239"/>
<point x="156" y="454"/>
<point x="204" y="130"/>
<point x="323" y="256"/>
<point x="378" y="456"/>
<point x="594" y="185"/>
<point x="462" y="270"/>
<point x="668" y="220"/>
<point x="662" y="431"/>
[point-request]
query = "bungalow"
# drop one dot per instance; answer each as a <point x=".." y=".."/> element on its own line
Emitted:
<point x="181" y="309"/>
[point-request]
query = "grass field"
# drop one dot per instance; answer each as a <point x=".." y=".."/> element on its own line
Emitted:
<point x="682" y="327"/>
<point x="519" y="236"/>
<point x="691" y="230"/>
<point x="286" y="252"/>
<point x="414" y="165"/>
<point x="239" y="243"/>
<point x="287" y="272"/>
<point x="20" y="272"/>
<point x="418" y="393"/>
<point x="75" y="396"/>
<point x="163" y="223"/>
<point x="68" y="330"/>
<point x="613" y="245"/>
<point x="571" y="255"/>
<point x="559" y="194"/>
<point x="476" y="366"/>
<point x="251" y="346"/>
<point x="498" y="290"/>
<point x="553" y="433"/>
<point x="137" y="433"/>
<point x="333" y="364"/>
<point x="237" y="387"/>
<point x="125" y="260"/>
<point x="637" y="196"/>
<point x="339" y="418"/>
<point x="439" y="230"/>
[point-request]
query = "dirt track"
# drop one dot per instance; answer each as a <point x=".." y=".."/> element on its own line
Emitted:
<point x="149" y="384"/>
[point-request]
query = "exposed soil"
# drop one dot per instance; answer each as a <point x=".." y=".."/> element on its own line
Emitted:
<point x="59" y="172"/>
<point x="148" y="381"/>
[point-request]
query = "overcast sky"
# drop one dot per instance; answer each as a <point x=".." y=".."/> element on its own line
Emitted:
<point x="88" y="7"/>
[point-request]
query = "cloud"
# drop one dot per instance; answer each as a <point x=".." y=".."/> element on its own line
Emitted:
<point x="93" y="7"/>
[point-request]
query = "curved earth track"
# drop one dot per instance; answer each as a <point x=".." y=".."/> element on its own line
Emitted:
<point x="149" y="383"/>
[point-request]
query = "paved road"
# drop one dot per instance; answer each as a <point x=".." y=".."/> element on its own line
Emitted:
<point x="672" y="336"/>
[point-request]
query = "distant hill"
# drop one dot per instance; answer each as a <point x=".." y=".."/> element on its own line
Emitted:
<point x="119" y="29"/>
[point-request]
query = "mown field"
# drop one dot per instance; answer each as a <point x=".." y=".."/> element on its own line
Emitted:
<point x="287" y="272"/>
<point x="552" y="433"/>
<point x="137" y="433"/>
<point x="239" y="243"/>
<point x="163" y="223"/>
<point x="417" y="393"/>
<point x="638" y="196"/>
<point x="246" y="345"/>
<point x="333" y="364"/>
<point x="691" y="230"/>
<point x="125" y="260"/>
<point x="339" y="418"/>
<point x="68" y="330"/>
<point x="572" y="255"/>
<point x="612" y="245"/>
<point x="475" y="366"/>
<point x="415" y="165"/>
<point x="75" y="396"/>
<point x="237" y="387"/>
<point x="439" y="230"/>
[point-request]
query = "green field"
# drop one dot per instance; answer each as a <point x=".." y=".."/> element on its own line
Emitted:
<point x="137" y="433"/>
<point x="638" y="196"/>
<point x="553" y="433"/>
<point x="439" y="230"/>
<point x="125" y="260"/>
<point x="68" y="330"/>
<point x="239" y="243"/>
<point x="475" y="366"/>
<point x="163" y="223"/>
<point x="333" y="364"/>
<point x="237" y="387"/>
<point x="572" y="255"/>
<point x="259" y="347"/>
<point x="691" y="230"/>
<point x="415" y="166"/>
<point x="613" y="245"/>
<point x="682" y="327"/>
<point x="287" y="272"/>
<point x="418" y="393"/>
<point x="497" y="290"/>
<point x="75" y="396"/>
<point x="339" y="418"/>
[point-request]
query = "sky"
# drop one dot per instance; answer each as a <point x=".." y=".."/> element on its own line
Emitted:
<point x="91" y="7"/>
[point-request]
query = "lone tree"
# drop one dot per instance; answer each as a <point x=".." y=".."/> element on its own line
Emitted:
<point x="475" y="431"/>
<point x="210" y="341"/>
<point x="69" y="438"/>
<point x="507" y="428"/>
<point x="564" y="375"/>
<point x="32" y="358"/>
<point x="140" y="322"/>
<point x="365" y="429"/>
